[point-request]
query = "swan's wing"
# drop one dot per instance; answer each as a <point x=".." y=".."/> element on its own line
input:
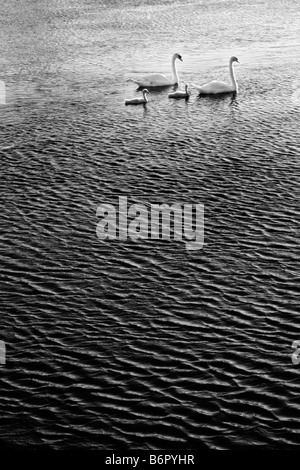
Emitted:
<point x="215" y="87"/>
<point x="156" y="79"/>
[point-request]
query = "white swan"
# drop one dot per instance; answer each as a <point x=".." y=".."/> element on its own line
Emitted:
<point x="157" y="79"/>
<point x="215" y="87"/>
<point x="180" y="94"/>
<point x="143" y="100"/>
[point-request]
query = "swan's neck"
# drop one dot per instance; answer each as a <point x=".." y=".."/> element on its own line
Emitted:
<point x="232" y="76"/>
<point x="174" y="70"/>
<point x="145" y="97"/>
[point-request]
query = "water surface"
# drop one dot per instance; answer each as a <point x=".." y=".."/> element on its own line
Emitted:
<point x="144" y="344"/>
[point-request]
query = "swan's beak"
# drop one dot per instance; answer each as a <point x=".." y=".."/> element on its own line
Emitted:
<point x="238" y="62"/>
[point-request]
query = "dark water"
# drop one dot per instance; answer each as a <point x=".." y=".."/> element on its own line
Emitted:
<point x="145" y="344"/>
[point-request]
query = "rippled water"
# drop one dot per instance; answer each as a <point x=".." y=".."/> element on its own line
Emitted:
<point x="145" y="344"/>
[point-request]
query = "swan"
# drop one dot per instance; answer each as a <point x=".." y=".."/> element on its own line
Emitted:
<point x="143" y="100"/>
<point x="215" y="87"/>
<point x="157" y="79"/>
<point x="180" y="94"/>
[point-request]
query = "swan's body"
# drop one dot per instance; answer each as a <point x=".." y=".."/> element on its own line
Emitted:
<point x="180" y="94"/>
<point x="143" y="100"/>
<point x="216" y="87"/>
<point x="157" y="79"/>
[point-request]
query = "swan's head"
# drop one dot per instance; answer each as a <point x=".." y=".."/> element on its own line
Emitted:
<point x="234" y="59"/>
<point x="177" y="56"/>
<point x="145" y="91"/>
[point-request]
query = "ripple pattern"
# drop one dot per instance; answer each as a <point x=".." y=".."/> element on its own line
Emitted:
<point x="143" y="344"/>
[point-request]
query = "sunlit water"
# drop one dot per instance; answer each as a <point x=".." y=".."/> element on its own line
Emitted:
<point x="145" y="344"/>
